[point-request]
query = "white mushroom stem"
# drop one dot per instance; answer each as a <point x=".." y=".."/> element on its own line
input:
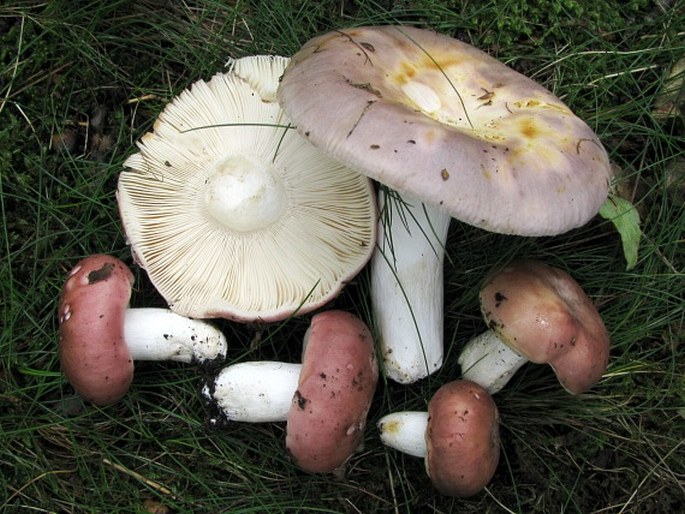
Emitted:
<point x="159" y="334"/>
<point x="407" y="287"/>
<point x="405" y="431"/>
<point x="256" y="392"/>
<point x="489" y="362"/>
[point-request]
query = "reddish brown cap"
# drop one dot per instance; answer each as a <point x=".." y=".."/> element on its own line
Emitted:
<point x="93" y="353"/>
<point x="542" y="313"/>
<point x="462" y="438"/>
<point x="337" y="383"/>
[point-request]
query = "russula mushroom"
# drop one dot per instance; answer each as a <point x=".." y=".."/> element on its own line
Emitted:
<point x="324" y="400"/>
<point x="233" y="214"/>
<point x="458" y="437"/>
<point x="536" y="313"/>
<point x="446" y="124"/>
<point x="334" y="392"/>
<point x="100" y="337"/>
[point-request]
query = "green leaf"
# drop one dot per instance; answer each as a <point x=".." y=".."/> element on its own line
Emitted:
<point x="626" y="219"/>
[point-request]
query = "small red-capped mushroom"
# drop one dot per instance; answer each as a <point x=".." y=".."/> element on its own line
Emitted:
<point x="537" y="313"/>
<point x="458" y="437"/>
<point x="325" y="400"/>
<point x="93" y="354"/>
<point x="100" y="337"/>
<point x="463" y="443"/>
<point x="337" y="383"/>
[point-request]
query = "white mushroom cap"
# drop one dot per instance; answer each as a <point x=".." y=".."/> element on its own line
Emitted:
<point x="430" y="116"/>
<point x="235" y="215"/>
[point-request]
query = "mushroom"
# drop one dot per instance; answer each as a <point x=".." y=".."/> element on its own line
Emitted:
<point x="536" y="313"/>
<point x="100" y="336"/>
<point x="447" y="125"/>
<point x="325" y="400"/>
<point x="233" y="214"/>
<point x="458" y="437"/>
<point x="334" y="392"/>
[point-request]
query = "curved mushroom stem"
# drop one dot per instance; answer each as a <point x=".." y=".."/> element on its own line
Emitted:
<point x="159" y="334"/>
<point x="256" y="392"/>
<point x="489" y="362"/>
<point x="405" y="431"/>
<point x="407" y="287"/>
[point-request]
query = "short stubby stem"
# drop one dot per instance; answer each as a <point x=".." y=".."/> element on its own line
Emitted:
<point x="405" y="432"/>
<point x="255" y="392"/>
<point x="244" y="193"/>
<point x="489" y="362"/>
<point x="159" y="334"/>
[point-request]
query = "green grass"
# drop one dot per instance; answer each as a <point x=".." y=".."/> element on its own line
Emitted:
<point x="99" y="74"/>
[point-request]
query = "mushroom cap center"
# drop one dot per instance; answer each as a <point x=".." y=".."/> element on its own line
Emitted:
<point x="244" y="193"/>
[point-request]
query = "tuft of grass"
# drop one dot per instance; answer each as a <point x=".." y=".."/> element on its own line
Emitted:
<point x="80" y="83"/>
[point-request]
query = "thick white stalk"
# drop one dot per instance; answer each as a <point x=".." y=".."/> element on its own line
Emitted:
<point x="160" y="334"/>
<point x="405" y="431"/>
<point x="489" y="362"/>
<point x="256" y="392"/>
<point x="407" y="287"/>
